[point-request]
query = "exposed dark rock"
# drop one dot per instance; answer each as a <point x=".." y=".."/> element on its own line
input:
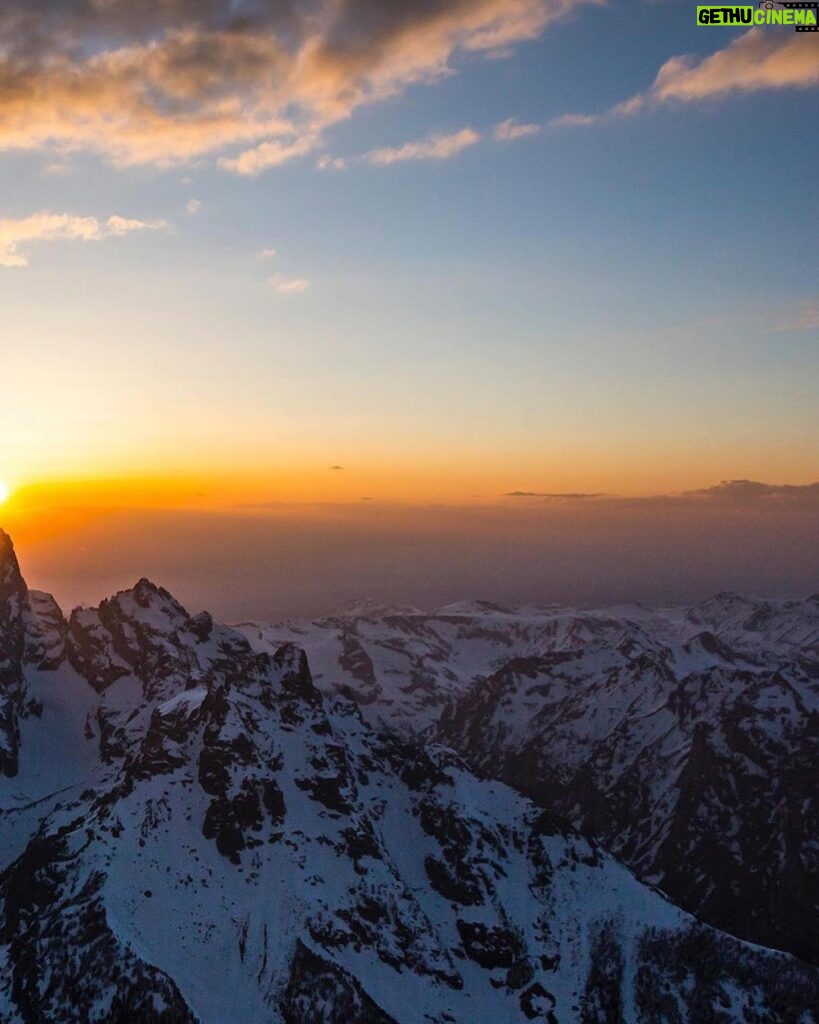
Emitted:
<point x="322" y="993"/>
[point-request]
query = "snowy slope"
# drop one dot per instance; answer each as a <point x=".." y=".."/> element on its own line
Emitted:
<point x="685" y="739"/>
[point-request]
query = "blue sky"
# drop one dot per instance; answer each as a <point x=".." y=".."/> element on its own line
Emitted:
<point x="628" y="305"/>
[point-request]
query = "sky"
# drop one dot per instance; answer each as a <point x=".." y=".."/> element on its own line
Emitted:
<point x="323" y="266"/>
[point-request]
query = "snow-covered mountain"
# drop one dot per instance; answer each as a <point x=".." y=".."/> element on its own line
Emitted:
<point x="403" y="665"/>
<point x="192" y="831"/>
<point x="685" y="740"/>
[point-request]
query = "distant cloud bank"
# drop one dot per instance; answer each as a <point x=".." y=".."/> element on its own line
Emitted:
<point x="735" y="493"/>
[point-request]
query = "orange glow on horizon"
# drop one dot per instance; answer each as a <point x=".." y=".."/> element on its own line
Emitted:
<point x="294" y="483"/>
<point x="443" y="481"/>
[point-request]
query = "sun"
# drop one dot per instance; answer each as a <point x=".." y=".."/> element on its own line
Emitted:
<point x="5" y="493"/>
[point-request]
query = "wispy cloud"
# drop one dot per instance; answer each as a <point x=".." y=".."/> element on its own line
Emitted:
<point x="119" y="226"/>
<point x="49" y="227"/>
<point x="57" y="167"/>
<point x="280" y="283"/>
<point x="804" y="318"/>
<point x="193" y="206"/>
<point x="433" y="147"/>
<point x="510" y="129"/>
<point x="756" y="61"/>
<point x="330" y="163"/>
<point x="269" y="154"/>
<point x="283" y="285"/>
<point x="574" y="120"/>
<point x="567" y="496"/>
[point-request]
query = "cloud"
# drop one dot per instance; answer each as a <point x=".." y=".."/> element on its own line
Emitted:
<point x="806" y="318"/>
<point x="331" y="163"/>
<point x="574" y="120"/>
<point x="756" y="61"/>
<point x="279" y="283"/>
<point x="257" y="82"/>
<point x="568" y="496"/>
<point x="747" y="494"/>
<point x="56" y="167"/>
<point x="751" y="493"/>
<point x="509" y="130"/>
<point x="268" y="154"/>
<point x="433" y="147"/>
<point x="336" y="467"/>
<point x="759" y="59"/>
<point x="193" y="206"/>
<point x="119" y="226"/>
<point x="288" y="285"/>
<point x="49" y="227"/>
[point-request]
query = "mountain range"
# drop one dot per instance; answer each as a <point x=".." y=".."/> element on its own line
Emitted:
<point x="475" y="815"/>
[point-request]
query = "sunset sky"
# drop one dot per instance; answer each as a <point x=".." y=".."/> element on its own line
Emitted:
<point x="255" y="254"/>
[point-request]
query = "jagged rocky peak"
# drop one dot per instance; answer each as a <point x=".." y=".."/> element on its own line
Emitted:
<point x="145" y="632"/>
<point x="13" y="603"/>
<point x="153" y="600"/>
<point x="32" y="632"/>
<point x="13" y="589"/>
<point x="30" y="620"/>
<point x="145" y="603"/>
<point x="46" y="630"/>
